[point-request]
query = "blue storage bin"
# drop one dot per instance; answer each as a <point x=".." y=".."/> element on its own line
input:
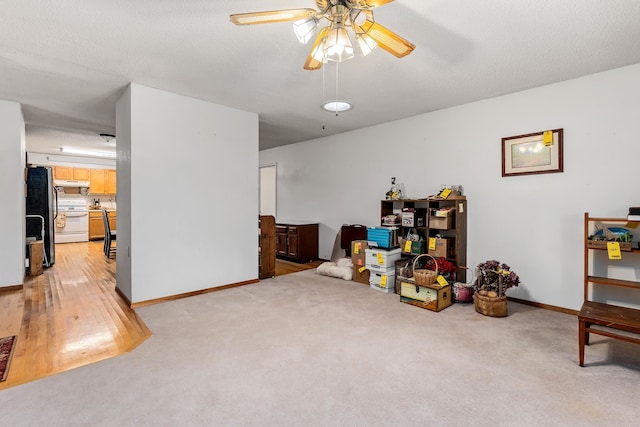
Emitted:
<point x="382" y="237"/>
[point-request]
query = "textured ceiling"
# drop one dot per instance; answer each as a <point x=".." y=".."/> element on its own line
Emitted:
<point x="68" y="61"/>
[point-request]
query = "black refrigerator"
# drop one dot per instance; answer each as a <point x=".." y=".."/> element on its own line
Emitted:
<point x="42" y="202"/>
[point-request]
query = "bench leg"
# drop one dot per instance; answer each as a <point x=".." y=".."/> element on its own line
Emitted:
<point x="582" y="340"/>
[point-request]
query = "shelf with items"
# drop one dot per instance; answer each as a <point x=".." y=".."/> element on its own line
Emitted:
<point x="604" y="318"/>
<point x="446" y="233"/>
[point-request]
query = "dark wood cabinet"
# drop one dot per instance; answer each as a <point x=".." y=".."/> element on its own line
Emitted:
<point x="297" y="241"/>
<point x="267" y="247"/>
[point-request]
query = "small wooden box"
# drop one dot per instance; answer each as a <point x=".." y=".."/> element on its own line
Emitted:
<point x="601" y="244"/>
<point x="431" y="297"/>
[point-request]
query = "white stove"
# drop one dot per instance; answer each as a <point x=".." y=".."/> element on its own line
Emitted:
<point x="72" y="222"/>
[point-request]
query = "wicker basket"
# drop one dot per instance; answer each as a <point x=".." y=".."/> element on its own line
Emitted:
<point x="423" y="276"/>
<point x="491" y="306"/>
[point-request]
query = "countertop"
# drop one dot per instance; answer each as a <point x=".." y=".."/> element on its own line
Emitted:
<point x="295" y="222"/>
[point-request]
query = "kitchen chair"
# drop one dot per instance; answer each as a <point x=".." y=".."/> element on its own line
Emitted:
<point x="109" y="235"/>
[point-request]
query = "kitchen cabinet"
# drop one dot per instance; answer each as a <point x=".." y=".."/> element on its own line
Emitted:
<point x="96" y="182"/>
<point x="102" y="181"/>
<point x="297" y="241"/>
<point x="110" y="181"/>
<point x="62" y="172"/>
<point x="65" y="172"/>
<point x="96" y="224"/>
<point x="81" y="174"/>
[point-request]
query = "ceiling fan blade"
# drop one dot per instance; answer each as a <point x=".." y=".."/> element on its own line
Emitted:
<point x="376" y="3"/>
<point x="270" y="16"/>
<point x="388" y="40"/>
<point x="313" y="61"/>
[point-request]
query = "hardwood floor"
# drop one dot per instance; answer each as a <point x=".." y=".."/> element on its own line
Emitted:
<point x="287" y="267"/>
<point x="69" y="316"/>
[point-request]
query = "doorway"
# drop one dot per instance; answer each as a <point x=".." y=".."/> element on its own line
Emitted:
<point x="268" y="193"/>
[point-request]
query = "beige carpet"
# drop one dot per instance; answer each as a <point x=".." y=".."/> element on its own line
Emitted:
<point x="307" y="350"/>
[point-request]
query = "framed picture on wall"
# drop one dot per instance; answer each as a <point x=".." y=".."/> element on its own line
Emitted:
<point x="533" y="153"/>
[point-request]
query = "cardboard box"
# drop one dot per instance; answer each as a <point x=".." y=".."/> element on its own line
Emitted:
<point x="36" y="255"/>
<point x="432" y="297"/>
<point x="416" y="248"/>
<point x="382" y="258"/>
<point x="443" y="248"/>
<point x="358" y="248"/>
<point x="443" y="212"/>
<point x="441" y="223"/>
<point x="361" y="276"/>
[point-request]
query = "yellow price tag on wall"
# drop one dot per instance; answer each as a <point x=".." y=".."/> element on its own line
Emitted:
<point x="362" y="269"/>
<point x="441" y="280"/>
<point x="432" y="243"/>
<point x="547" y="138"/>
<point x="407" y="246"/>
<point x="445" y="193"/>
<point x="613" y="248"/>
<point x="380" y="259"/>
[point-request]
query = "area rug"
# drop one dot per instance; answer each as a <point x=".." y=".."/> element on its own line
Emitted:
<point x="7" y="344"/>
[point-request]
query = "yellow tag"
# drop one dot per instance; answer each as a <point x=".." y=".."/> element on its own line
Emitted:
<point x="614" y="250"/>
<point x="547" y="138"/>
<point x="362" y="269"/>
<point x="442" y="280"/>
<point x="445" y="193"/>
<point x="432" y="243"/>
<point x="380" y="259"/>
<point x="461" y="208"/>
<point x="407" y="246"/>
<point x="356" y="249"/>
<point x="383" y="281"/>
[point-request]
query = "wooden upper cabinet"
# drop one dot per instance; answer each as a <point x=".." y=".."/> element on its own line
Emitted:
<point x="97" y="181"/>
<point x="110" y="181"/>
<point x="102" y="181"/>
<point x="62" y="172"/>
<point x="81" y="174"/>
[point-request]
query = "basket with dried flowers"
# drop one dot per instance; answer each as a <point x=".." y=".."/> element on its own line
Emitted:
<point x="493" y="278"/>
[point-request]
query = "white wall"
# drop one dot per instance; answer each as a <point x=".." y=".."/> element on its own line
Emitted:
<point x="533" y="223"/>
<point x="205" y="156"/>
<point x="268" y="186"/>
<point x="12" y="184"/>
<point x="123" y="190"/>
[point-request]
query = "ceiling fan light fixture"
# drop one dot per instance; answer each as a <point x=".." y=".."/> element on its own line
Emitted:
<point x="304" y="29"/>
<point x="336" y="106"/>
<point x="338" y="46"/>
<point x="366" y="43"/>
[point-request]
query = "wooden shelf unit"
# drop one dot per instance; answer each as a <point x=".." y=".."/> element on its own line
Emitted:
<point x="599" y="318"/>
<point x="457" y="233"/>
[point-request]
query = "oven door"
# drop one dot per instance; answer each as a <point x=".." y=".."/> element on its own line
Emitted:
<point x="72" y="227"/>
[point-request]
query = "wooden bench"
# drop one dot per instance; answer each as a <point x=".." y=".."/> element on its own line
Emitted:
<point x="608" y="320"/>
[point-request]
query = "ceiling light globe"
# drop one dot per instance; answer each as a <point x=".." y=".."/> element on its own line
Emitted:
<point x="337" y="106"/>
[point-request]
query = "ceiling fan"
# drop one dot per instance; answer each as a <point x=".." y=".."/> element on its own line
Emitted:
<point x="333" y="42"/>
